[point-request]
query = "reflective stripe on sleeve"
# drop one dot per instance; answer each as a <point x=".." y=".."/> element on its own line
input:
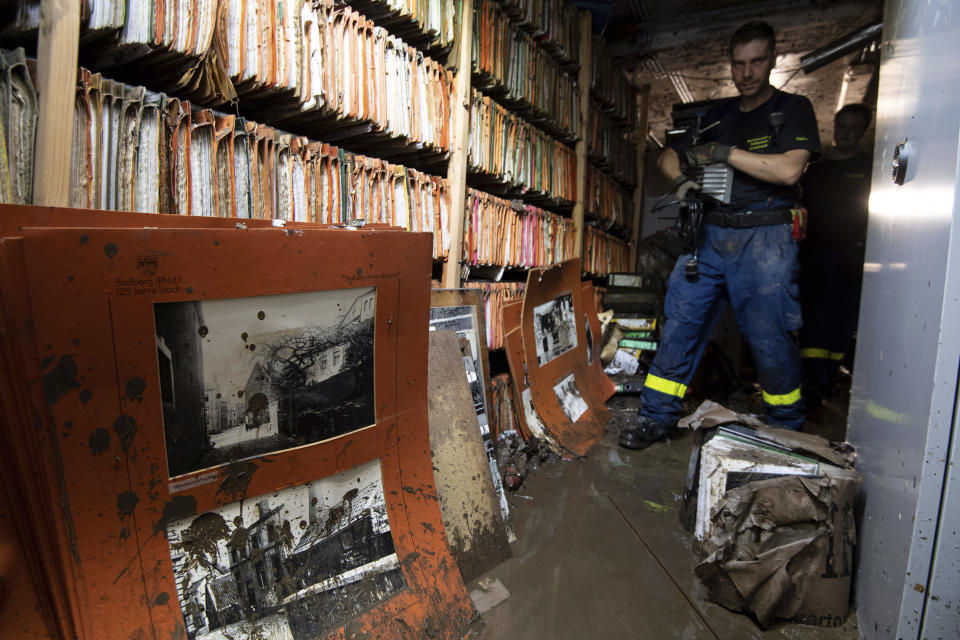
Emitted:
<point x="784" y="399"/>
<point x="823" y="354"/>
<point x="663" y="385"/>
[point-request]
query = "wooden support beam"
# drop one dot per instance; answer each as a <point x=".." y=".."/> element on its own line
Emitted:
<point x="459" y="146"/>
<point x="56" y="87"/>
<point x="643" y="106"/>
<point x="583" y="86"/>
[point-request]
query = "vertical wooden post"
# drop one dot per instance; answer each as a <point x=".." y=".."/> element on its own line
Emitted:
<point x="459" y="146"/>
<point x="583" y="85"/>
<point x="643" y="104"/>
<point x="56" y="85"/>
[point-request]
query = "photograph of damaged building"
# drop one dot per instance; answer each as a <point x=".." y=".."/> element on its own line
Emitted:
<point x="555" y="328"/>
<point x="753" y="207"/>
<point x="247" y="376"/>
<point x="293" y="564"/>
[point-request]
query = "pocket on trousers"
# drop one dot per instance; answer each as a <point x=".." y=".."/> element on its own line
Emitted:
<point x="790" y="306"/>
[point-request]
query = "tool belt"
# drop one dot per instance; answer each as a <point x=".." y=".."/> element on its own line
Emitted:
<point x="745" y="219"/>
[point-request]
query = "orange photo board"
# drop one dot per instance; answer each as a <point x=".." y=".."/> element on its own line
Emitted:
<point x="554" y="343"/>
<point x="154" y="510"/>
<point x="602" y="384"/>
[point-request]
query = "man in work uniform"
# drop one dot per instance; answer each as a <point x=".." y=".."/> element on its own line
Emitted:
<point x="747" y="253"/>
<point x="835" y="193"/>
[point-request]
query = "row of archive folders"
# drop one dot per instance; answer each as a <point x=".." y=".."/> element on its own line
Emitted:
<point x="287" y="62"/>
<point x="610" y="146"/>
<point x="434" y="19"/>
<point x="607" y="201"/>
<point x="136" y="150"/>
<point x="604" y="253"/>
<point x="348" y="67"/>
<point x="18" y="126"/>
<point x="519" y="155"/>
<point x="610" y="87"/>
<point x="495" y="296"/>
<point x="555" y="23"/>
<point x="509" y="60"/>
<point x="511" y="234"/>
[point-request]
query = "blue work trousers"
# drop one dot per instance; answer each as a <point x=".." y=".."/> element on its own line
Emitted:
<point x="754" y="269"/>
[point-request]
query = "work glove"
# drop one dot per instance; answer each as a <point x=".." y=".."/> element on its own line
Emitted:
<point x="682" y="185"/>
<point x="711" y="153"/>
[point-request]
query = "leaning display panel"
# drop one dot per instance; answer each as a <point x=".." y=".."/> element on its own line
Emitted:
<point x="242" y="456"/>
<point x="555" y="351"/>
<point x="603" y="386"/>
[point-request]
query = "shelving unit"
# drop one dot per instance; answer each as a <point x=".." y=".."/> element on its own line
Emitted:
<point x="611" y="208"/>
<point x="568" y="167"/>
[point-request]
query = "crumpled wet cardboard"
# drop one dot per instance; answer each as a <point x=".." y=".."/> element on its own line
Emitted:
<point x="782" y="548"/>
<point x="712" y="414"/>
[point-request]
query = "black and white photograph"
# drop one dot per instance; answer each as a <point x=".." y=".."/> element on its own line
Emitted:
<point x="570" y="399"/>
<point x="463" y="320"/>
<point x="290" y="565"/>
<point x="554" y="328"/>
<point x="243" y="377"/>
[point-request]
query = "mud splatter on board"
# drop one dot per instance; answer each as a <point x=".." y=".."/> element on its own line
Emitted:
<point x="238" y="477"/>
<point x="135" y="387"/>
<point x="99" y="441"/>
<point x="61" y="380"/>
<point x="126" y="428"/>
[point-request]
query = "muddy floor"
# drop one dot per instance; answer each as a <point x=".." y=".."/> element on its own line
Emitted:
<point x="600" y="551"/>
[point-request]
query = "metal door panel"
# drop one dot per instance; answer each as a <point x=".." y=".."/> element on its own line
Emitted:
<point x="941" y="617"/>
<point x="908" y="348"/>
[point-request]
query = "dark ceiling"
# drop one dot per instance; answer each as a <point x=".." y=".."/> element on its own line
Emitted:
<point x="679" y="48"/>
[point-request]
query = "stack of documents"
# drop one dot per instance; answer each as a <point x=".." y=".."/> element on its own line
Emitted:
<point x="329" y="58"/>
<point x="610" y="87"/>
<point x="516" y="153"/>
<point x="512" y="62"/>
<point x="554" y="22"/>
<point x="18" y="128"/>
<point x="495" y="296"/>
<point x="604" y="253"/>
<point x="287" y="61"/>
<point x="136" y="150"/>
<point x="502" y="233"/>
<point x="607" y="201"/>
<point x="434" y="19"/>
<point x="609" y="147"/>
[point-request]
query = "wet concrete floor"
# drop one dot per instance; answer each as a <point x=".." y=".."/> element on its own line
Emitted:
<point x="600" y="553"/>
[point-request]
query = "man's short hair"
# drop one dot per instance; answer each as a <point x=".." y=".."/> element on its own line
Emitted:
<point x="754" y="30"/>
<point x="858" y="109"/>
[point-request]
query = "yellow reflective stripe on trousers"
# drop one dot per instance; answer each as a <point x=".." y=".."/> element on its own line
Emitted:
<point x="663" y="385"/>
<point x="786" y="398"/>
<point x="824" y="354"/>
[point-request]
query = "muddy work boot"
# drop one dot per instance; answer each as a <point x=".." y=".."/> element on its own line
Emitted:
<point x="644" y="432"/>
